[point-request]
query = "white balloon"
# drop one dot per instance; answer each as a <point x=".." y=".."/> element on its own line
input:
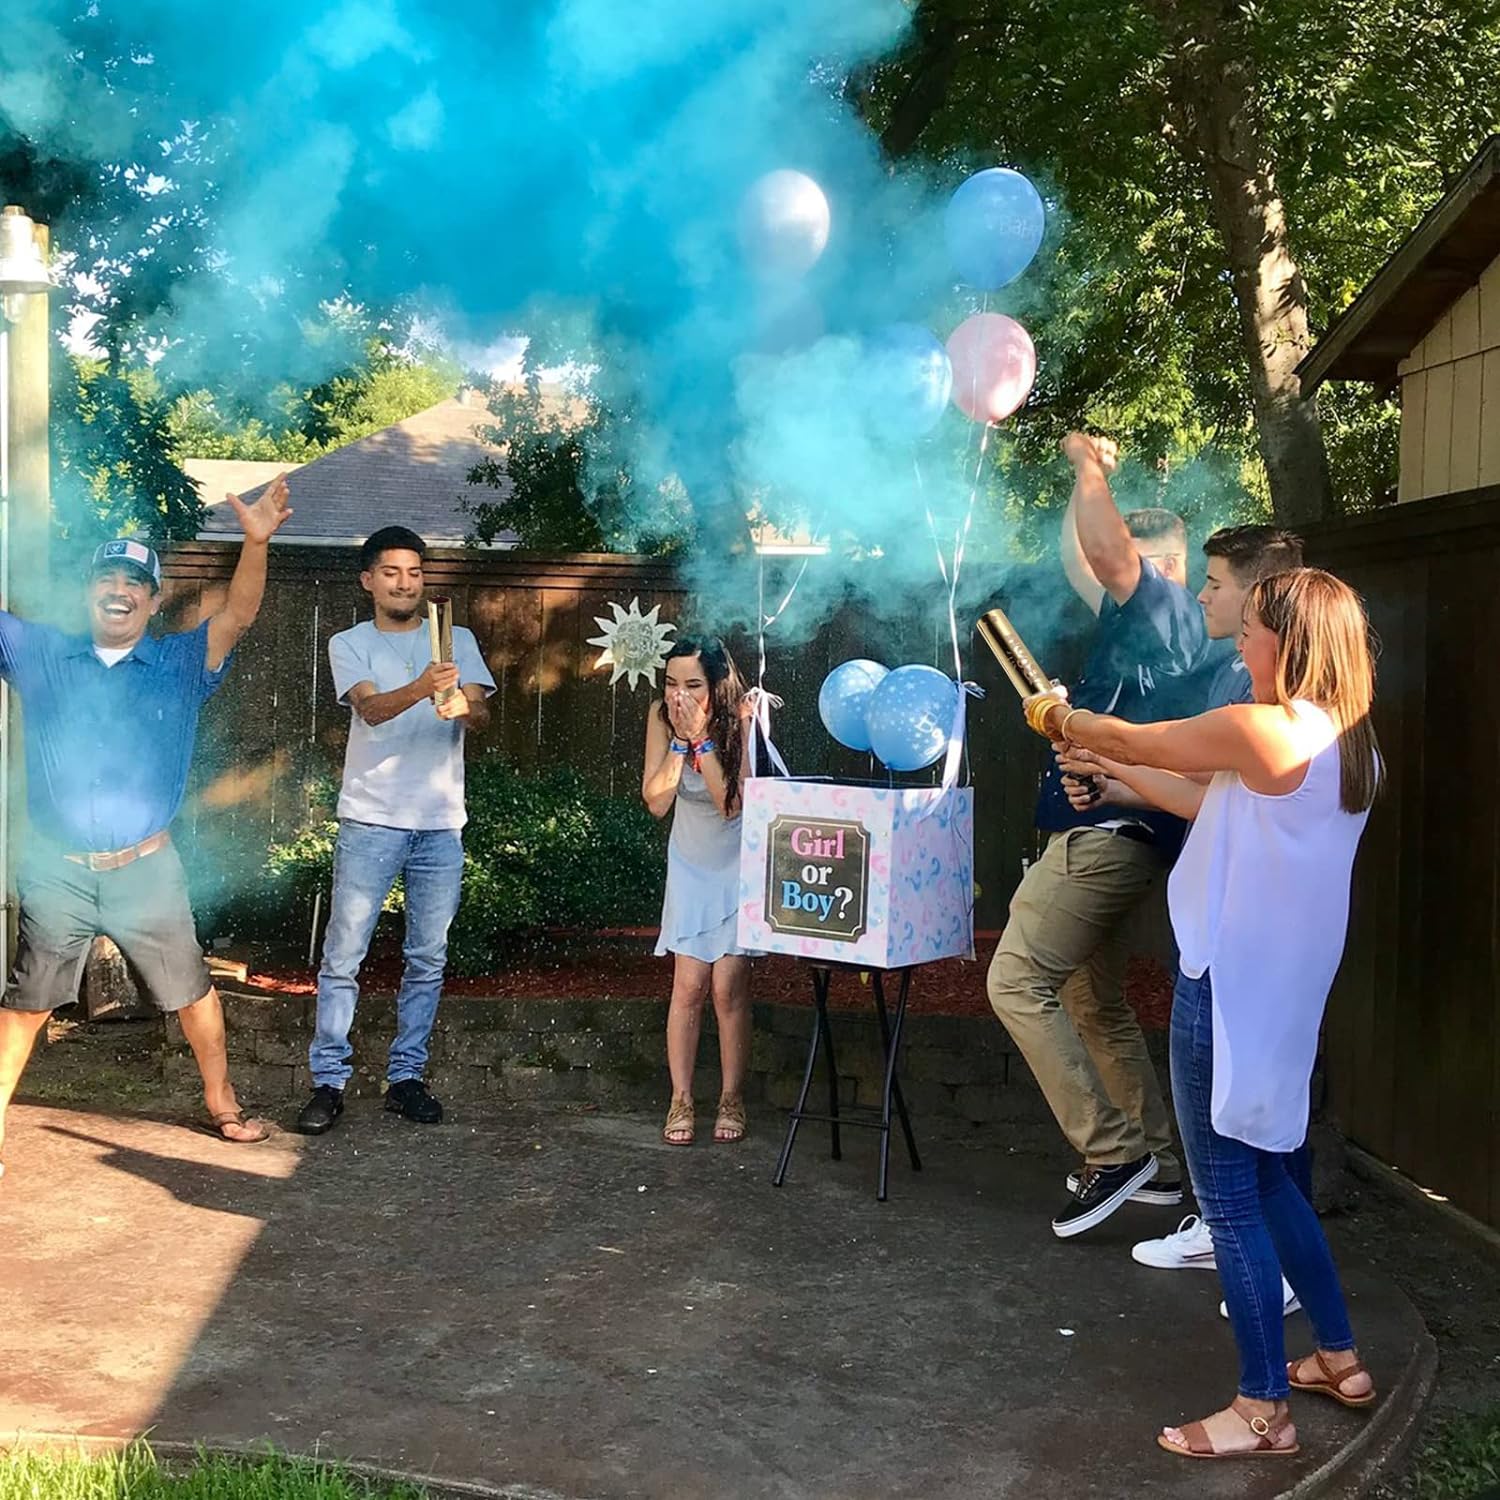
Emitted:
<point x="784" y="223"/>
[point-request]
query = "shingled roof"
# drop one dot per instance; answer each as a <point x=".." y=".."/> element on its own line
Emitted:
<point x="413" y="473"/>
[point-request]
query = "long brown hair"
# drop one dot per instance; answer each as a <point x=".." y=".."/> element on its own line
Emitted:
<point x="725" y="690"/>
<point x="1325" y="655"/>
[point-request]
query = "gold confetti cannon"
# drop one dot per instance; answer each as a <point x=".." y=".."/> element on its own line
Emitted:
<point x="1023" y="669"/>
<point x="440" y="630"/>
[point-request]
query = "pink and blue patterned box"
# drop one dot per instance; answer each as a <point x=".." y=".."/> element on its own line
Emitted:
<point x="877" y="876"/>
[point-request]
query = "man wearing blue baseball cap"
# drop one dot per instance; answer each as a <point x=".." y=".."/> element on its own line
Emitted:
<point x="110" y="719"/>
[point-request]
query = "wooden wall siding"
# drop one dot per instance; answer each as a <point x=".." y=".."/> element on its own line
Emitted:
<point x="1450" y="399"/>
<point x="1413" y="1034"/>
<point x="275" y="723"/>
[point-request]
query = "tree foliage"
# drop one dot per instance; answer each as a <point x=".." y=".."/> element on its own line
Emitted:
<point x="569" y="477"/>
<point x="1366" y="109"/>
<point x="383" y="384"/>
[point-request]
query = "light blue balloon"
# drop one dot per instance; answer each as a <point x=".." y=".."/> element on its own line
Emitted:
<point x="911" y="716"/>
<point x="844" y="697"/>
<point x="908" y="380"/>
<point x="994" y="224"/>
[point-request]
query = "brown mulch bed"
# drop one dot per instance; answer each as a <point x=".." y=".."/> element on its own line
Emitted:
<point x="627" y="970"/>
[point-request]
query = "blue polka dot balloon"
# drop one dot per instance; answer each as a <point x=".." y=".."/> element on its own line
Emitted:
<point x="910" y="717"/>
<point x="844" y="697"/>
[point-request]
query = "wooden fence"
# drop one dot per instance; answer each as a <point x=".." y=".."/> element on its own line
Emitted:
<point x="276" y="719"/>
<point x="1412" y="1043"/>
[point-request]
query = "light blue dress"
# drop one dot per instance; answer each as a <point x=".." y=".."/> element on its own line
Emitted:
<point x="699" y="915"/>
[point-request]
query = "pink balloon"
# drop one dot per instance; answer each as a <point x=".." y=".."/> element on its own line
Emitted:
<point x="994" y="366"/>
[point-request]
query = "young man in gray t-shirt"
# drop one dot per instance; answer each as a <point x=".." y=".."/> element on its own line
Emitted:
<point x="401" y="813"/>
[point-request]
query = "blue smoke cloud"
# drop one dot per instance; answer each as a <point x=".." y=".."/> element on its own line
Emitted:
<point x="533" y="156"/>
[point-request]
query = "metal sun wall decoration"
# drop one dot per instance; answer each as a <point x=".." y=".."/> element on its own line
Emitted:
<point x="635" y="645"/>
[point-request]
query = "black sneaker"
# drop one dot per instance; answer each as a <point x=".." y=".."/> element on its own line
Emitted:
<point x="319" y="1113"/>
<point x="1158" y="1192"/>
<point x="1101" y="1190"/>
<point x="411" y="1099"/>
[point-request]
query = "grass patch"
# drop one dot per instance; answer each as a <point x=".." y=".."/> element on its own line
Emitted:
<point x="1460" y="1459"/>
<point x="136" y="1473"/>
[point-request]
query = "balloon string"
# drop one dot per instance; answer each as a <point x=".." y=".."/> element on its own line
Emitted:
<point x="763" y="699"/>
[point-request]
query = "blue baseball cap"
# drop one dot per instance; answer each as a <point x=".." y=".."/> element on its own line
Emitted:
<point x="127" y="552"/>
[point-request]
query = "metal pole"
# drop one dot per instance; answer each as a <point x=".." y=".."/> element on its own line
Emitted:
<point x="7" y="906"/>
<point x="25" y="520"/>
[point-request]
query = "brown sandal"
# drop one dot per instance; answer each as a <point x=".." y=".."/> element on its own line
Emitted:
<point x="679" y="1121"/>
<point x="216" y="1124"/>
<point x="1333" y="1381"/>
<point x="731" y="1124"/>
<point x="1195" y="1436"/>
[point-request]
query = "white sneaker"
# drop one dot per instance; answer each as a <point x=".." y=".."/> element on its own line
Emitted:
<point x="1289" y="1302"/>
<point x="1189" y="1245"/>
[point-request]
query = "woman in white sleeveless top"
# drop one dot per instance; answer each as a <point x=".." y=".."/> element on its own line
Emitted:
<point x="695" y="752"/>
<point x="1260" y="906"/>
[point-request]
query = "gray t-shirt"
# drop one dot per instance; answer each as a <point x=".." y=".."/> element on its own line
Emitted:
<point x="409" y="771"/>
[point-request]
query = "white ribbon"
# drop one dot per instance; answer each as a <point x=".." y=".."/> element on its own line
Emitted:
<point x="761" y="700"/>
<point x="957" y="735"/>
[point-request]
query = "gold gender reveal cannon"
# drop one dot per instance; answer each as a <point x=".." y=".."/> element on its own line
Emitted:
<point x="1023" y="669"/>
<point x="440" y="629"/>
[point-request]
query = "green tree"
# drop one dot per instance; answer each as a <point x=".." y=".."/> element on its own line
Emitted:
<point x="125" y="244"/>
<point x="1230" y="173"/>
<point x="114" y="469"/>
<point x="570" y="476"/>
<point x="385" y="382"/>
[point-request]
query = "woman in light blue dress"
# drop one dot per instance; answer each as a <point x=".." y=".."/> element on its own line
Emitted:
<point x="695" y="758"/>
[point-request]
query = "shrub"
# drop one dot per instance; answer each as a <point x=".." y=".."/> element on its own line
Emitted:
<point x="540" y="852"/>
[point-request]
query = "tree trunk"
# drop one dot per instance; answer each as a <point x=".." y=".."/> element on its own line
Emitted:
<point x="936" y="56"/>
<point x="1212" y="88"/>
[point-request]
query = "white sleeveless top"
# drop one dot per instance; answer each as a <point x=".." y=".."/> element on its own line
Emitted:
<point x="1260" y="898"/>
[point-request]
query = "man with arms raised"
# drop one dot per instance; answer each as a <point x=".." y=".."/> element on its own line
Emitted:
<point x="110" y="720"/>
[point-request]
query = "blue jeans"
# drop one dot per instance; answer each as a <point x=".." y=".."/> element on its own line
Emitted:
<point x="1262" y="1222"/>
<point x="366" y="861"/>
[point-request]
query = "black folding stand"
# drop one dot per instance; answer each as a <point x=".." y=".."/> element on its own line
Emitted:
<point x="867" y="1117"/>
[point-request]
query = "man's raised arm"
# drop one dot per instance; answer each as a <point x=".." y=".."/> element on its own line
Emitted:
<point x="260" y="522"/>
<point x="1103" y="537"/>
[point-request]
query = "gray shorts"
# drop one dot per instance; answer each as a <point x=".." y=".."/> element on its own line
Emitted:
<point x="143" y="907"/>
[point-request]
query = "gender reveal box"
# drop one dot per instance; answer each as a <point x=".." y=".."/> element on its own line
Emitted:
<point x="882" y="876"/>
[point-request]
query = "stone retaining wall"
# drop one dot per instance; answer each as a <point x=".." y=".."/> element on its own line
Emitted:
<point x="613" y="1053"/>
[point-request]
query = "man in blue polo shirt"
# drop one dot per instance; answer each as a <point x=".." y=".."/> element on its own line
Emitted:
<point x="110" y="719"/>
<point x="1057" y="978"/>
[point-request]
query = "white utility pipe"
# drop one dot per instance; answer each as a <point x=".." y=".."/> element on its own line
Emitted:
<point x="5" y="901"/>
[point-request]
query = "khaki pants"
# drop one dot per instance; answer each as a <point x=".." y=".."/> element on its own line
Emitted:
<point x="1057" y="982"/>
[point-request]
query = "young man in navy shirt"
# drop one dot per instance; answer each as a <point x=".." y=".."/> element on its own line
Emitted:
<point x="1057" y="978"/>
<point x="110" y="719"/>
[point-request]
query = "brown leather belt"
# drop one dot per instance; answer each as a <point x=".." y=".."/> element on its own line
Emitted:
<point x="117" y="859"/>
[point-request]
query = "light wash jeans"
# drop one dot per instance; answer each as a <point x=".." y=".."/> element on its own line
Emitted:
<point x="1257" y="1207"/>
<point x="366" y="861"/>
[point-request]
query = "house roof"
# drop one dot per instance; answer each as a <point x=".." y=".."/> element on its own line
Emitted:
<point x="1440" y="260"/>
<point x="236" y="476"/>
<point x="413" y="473"/>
